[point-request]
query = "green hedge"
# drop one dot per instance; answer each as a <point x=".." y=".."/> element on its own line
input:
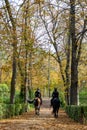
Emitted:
<point x="85" y="112"/>
<point x="77" y="113"/>
<point x="10" y="110"/>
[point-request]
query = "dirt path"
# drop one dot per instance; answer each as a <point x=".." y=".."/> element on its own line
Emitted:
<point x="45" y="121"/>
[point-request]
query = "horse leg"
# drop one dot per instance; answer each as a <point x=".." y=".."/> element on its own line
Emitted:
<point x="38" y="110"/>
<point x="35" y="111"/>
<point x="54" y="111"/>
<point x="57" y="112"/>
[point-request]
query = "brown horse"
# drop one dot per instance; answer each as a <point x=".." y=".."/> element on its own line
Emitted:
<point x="37" y="104"/>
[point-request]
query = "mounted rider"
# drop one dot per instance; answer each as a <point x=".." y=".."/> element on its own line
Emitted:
<point x="55" y="94"/>
<point x="38" y="94"/>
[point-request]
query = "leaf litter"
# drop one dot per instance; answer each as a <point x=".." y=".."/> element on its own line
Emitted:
<point x="45" y="121"/>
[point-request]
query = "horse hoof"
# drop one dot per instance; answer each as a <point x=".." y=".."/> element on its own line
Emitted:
<point x="56" y="116"/>
<point x="37" y="114"/>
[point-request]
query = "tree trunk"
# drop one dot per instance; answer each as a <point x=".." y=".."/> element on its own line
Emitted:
<point x="74" y="65"/>
<point x="14" y="37"/>
<point x="0" y="75"/>
<point x="13" y="80"/>
<point x="30" y="74"/>
<point x="67" y="90"/>
<point x="74" y="84"/>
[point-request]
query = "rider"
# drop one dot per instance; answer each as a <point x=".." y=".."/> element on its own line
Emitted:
<point x="38" y="94"/>
<point x="55" y="94"/>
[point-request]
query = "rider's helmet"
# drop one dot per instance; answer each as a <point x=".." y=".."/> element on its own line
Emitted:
<point x="55" y="89"/>
<point x="38" y="89"/>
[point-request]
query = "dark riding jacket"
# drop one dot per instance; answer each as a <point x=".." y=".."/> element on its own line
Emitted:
<point x="55" y="94"/>
<point x="38" y="94"/>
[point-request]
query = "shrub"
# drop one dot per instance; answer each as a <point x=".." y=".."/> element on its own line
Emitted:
<point x="4" y="93"/>
<point x="75" y="112"/>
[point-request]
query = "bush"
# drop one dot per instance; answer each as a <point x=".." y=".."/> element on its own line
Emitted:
<point x="18" y="108"/>
<point x="83" y="96"/>
<point x="75" y="112"/>
<point x="85" y="111"/>
<point x="4" y="93"/>
<point x="10" y="110"/>
<point x="1" y="111"/>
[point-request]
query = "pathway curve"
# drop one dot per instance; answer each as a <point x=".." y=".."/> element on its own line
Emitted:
<point x="45" y="121"/>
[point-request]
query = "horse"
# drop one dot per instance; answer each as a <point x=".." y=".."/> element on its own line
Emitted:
<point x="55" y="103"/>
<point x="37" y="104"/>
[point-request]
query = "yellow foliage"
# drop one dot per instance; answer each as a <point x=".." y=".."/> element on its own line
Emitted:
<point x="39" y="1"/>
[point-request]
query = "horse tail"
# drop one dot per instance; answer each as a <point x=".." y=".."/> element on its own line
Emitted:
<point x="30" y="101"/>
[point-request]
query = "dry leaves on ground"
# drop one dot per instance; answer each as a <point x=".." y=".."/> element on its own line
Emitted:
<point x="45" y="121"/>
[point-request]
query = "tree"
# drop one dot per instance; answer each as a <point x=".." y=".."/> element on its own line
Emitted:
<point x="54" y="19"/>
<point x="25" y="50"/>
<point x="14" y="44"/>
<point x="76" y="52"/>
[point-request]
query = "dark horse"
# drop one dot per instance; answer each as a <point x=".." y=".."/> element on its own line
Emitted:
<point x="37" y="103"/>
<point x="55" y="103"/>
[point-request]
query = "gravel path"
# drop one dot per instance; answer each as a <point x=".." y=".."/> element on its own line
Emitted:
<point x="45" y="121"/>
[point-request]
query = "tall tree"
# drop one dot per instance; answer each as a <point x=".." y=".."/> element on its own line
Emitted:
<point x="26" y="50"/>
<point x="76" y="42"/>
<point x="14" y="44"/>
<point x="53" y="24"/>
<point x="54" y="17"/>
<point x="74" y="69"/>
